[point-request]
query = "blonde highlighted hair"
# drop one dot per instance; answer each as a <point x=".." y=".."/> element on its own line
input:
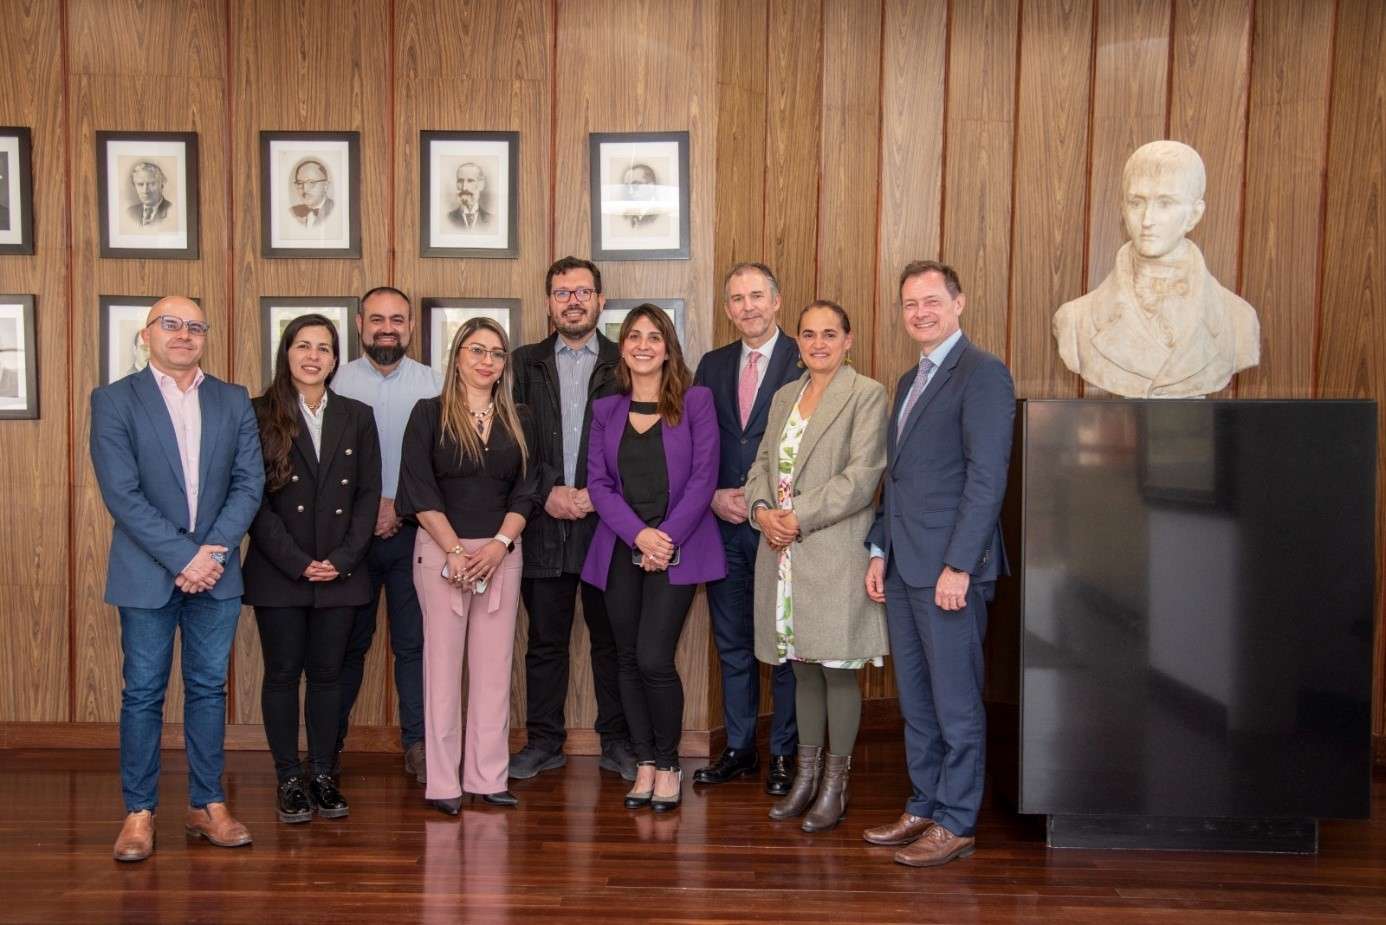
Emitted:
<point x="456" y="415"/>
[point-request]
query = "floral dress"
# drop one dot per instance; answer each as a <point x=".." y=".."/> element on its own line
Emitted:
<point x="790" y="439"/>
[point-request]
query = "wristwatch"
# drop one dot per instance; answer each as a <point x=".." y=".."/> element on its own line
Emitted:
<point x="505" y="541"/>
<point x="218" y="557"/>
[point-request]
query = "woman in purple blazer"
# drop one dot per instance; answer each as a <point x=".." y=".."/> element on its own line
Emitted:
<point x="651" y="471"/>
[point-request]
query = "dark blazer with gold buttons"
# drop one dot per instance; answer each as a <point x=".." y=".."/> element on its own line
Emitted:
<point x="326" y="511"/>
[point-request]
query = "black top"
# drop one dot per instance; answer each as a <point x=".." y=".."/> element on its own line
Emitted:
<point x="644" y="474"/>
<point x="436" y="476"/>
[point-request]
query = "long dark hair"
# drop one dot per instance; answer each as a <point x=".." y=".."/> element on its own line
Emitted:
<point x="278" y="413"/>
<point x="674" y="377"/>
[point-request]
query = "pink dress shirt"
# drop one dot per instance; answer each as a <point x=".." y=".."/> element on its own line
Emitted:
<point x="186" y="414"/>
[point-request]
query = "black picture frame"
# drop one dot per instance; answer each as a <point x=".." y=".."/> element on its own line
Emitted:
<point x="652" y="225"/>
<point x="295" y="230"/>
<point x="615" y="311"/>
<point x="443" y="234"/>
<point x="119" y="330"/>
<point x="122" y="231"/>
<point x="272" y="322"/>
<point x="431" y="309"/>
<point x="16" y="190"/>
<point x="23" y="404"/>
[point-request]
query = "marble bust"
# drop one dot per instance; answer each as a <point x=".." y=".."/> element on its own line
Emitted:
<point x="1159" y="325"/>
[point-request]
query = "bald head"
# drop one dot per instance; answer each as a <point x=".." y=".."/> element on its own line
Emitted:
<point x="178" y="305"/>
<point x="175" y="352"/>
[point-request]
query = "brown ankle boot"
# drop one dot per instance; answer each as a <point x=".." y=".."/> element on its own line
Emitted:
<point x="808" y="772"/>
<point x="831" y="804"/>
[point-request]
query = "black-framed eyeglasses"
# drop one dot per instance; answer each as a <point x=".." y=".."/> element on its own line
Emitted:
<point x="565" y="295"/>
<point x="477" y="352"/>
<point x="173" y="324"/>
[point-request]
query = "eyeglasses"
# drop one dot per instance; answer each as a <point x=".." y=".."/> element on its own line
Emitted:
<point x="564" y="295"/>
<point x="477" y="351"/>
<point x="173" y="324"/>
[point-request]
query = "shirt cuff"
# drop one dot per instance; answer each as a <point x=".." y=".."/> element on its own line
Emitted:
<point x="877" y="552"/>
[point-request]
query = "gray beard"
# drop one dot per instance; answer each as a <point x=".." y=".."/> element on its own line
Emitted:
<point x="384" y="354"/>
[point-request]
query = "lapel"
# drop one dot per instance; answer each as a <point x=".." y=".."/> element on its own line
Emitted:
<point x="780" y="359"/>
<point x="210" y="409"/>
<point x="303" y="444"/>
<point x="936" y="385"/>
<point x="721" y="379"/>
<point x="832" y="403"/>
<point x="615" y="427"/>
<point x="147" y="391"/>
<point x="334" y="422"/>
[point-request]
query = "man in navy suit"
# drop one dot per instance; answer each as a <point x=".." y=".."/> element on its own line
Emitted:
<point x="936" y="553"/>
<point x="743" y="376"/>
<point x="177" y="456"/>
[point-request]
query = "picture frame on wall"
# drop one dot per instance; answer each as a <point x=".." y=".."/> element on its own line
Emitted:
<point x="123" y="350"/>
<point x="16" y="191"/>
<point x="443" y="316"/>
<point x="277" y="311"/>
<point x="18" y="359"/>
<point x="470" y="186"/>
<point x="616" y="310"/>
<point x="640" y="195"/>
<point x="310" y="193"/>
<point x="147" y="194"/>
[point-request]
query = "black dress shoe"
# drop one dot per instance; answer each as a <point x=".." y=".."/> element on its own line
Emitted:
<point x="503" y="798"/>
<point x="293" y="805"/>
<point x="452" y="806"/>
<point x="327" y="799"/>
<point x="778" y="780"/>
<point x="731" y="764"/>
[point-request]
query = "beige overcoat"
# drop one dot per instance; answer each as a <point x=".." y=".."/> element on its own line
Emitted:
<point x="839" y="465"/>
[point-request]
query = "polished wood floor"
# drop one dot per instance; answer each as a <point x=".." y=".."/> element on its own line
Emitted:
<point x="571" y="853"/>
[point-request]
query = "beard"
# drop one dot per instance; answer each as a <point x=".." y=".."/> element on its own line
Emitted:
<point x="576" y="329"/>
<point x="385" y="354"/>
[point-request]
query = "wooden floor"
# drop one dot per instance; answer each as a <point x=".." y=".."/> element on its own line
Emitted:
<point x="571" y="853"/>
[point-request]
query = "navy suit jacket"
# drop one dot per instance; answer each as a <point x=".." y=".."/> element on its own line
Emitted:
<point x="718" y="371"/>
<point x="140" y="472"/>
<point x="946" y="472"/>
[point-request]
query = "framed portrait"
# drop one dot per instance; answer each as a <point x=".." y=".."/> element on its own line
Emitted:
<point x="147" y="194"/>
<point x="469" y="201"/>
<point x="639" y="195"/>
<point x="123" y="350"/>
<point x="442" y="318"/>
<point x="616" y="310"/>
<point x="18" y="358"/>
<point x="310" y="188"/>
<point x="277" y="311"/>
<point x="16" y="192"/>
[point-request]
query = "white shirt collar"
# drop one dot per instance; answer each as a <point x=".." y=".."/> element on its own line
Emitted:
<point x="766" y="349"/>
<point x="940" y="353"/>
<point x="161" y="378"/>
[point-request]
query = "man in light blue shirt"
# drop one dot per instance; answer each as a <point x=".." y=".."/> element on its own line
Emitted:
<point x="390" y="383"/>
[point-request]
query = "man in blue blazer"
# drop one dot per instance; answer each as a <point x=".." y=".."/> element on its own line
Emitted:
<point x="936" y="554"/>
<point x="743" y="376"/>
<point x="177" y="456"/>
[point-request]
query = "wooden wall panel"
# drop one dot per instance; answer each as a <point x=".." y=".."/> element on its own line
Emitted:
<point x="1050" y="188"/>
<point x="337" y="82"/>
<point x="850" y="166"/>
<point x="1285" y="160"/>
<point x="34" y="467"/>
<point x="1130" y="92"/>
<point x="175" y="55"/>
<point x="1351" y="355"/>
<point x="979" y="127"/>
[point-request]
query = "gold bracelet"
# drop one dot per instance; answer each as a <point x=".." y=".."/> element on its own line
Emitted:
<point x="457" y="550"/>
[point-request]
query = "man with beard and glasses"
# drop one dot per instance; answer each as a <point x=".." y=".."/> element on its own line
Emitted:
<point x="559" y="378"/>
<point x="390" y="383"/>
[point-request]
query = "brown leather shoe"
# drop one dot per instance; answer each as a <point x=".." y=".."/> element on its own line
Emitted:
<point x="215" y="823"/>
<point x="936" y="846"/>
<point x="136" y="839"/>
<point x="900" y="832"/>
<point x="415" y="763"/>
<point x="830" y="805"/>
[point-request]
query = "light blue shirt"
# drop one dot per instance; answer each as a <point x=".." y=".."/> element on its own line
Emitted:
<point x="575" y="365"/>
<point x="392" y="398"/>
<point x="936" y="357"/>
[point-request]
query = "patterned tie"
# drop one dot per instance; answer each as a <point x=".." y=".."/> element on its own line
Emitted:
<point x="921" y="379"/>
<point x="746" y="391"/>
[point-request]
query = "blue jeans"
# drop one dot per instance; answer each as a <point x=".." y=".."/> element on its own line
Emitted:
<point x="208" y="627"/>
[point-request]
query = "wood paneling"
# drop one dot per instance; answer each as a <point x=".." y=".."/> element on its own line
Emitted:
<point x="34" y="467"/>
<point x="1285" y="159"/>
<point x="979" y="138"/>
<point x="1351" y="355"/>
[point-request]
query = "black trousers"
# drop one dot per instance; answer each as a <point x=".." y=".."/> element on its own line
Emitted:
<point x="550" y="603"/>
<point x="295" y="641"/>
<point x="647" y="615"/>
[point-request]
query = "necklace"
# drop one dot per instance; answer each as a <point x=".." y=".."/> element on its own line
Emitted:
<point x="313" y="406"/>
<point x="479" y="417"/>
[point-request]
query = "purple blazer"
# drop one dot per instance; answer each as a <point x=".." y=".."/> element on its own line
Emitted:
<point x="690" y="455"/>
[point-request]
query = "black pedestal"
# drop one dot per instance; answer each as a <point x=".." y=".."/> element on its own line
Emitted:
<point x="1162" y="833"/>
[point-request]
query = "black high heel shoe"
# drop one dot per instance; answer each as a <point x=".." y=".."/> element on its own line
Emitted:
<point x="501" y="798"/>
<point x="639" y="799"/>
<point x="451" y="807"/>
<point x="664" y="806"/>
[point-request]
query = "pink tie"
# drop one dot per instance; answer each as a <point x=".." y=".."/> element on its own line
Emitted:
<point x="746" y="391"/>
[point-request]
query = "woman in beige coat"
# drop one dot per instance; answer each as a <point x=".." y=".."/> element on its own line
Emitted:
<point x="810" y="494"/>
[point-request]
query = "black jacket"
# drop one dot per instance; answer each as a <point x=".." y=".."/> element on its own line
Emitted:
<point x="552" y="546"/>
<point x="327" y="511"/>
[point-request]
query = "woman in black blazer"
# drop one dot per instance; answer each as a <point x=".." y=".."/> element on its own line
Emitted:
<point x="303" y="571"/>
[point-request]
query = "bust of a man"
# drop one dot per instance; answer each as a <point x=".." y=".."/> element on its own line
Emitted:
<point x="1159" y="325"/>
